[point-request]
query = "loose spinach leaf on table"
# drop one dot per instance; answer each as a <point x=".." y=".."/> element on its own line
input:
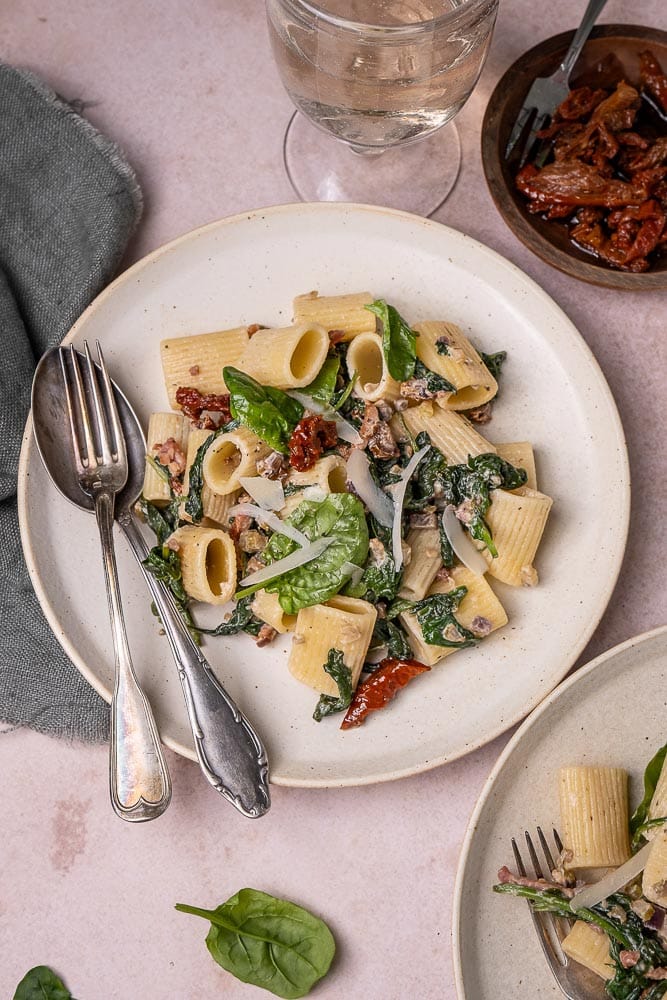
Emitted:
<point x="342" y="675"/>
<point x="269" y="942"/>
<point x="41" y="983"/>
<point x="398" y="340"/>
<point x="270" y="413"/>
<point x="339" y="516"/>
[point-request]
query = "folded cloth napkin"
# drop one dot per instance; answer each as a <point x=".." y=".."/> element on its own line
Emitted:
<point x="68" y="205"/>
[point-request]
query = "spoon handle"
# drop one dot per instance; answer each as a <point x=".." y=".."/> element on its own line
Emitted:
<point x="138" y="777"/>
<point x="229" y="751"/>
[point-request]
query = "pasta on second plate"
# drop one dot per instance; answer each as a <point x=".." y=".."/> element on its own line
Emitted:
<point x="331" y="477"/>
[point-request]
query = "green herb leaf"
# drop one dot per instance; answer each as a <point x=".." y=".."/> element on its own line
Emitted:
<point x="342" y="675"/>
<point x="398" y="341"/>
<point x="339" y="400"/>
<point x="494" y="362"/>
<point x="339" y="516"/>
<point x="270" y="413"/>
<point x="651" y="775"/>
<point x="388" y="633"/>
<point x="165" y="564"/>
<point x="269" y="942"/>
<point x="193" y="503"/>
<point x="161" y="520"/>
<point x="321" y="389"/>
<point x="41" y="983"/>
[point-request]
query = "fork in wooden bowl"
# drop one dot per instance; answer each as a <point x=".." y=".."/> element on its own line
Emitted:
<point x="547" y="92"/>
<point x="139" y="781"/>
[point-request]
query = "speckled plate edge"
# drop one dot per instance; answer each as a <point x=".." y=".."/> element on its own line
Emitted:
<point x="622" y="484"/>
<point x="534" y="719"/>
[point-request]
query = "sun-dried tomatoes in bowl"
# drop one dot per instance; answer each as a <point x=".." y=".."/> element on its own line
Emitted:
<point x="592" y="198"/>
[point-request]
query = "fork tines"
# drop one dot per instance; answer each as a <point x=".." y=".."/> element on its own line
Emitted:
<point x="98" y="441"/>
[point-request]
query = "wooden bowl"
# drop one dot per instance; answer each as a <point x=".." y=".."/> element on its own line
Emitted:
<point x="611" y="52"/>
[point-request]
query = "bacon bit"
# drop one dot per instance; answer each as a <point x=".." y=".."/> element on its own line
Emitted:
<point x="378" y="689"/>
<point x="172" y="544"/>
<point x="240" y="522"/>
<point x="171" y="455"/>
<point x="253" y="329"/>
<point x="660" y="972"/>
<point x="194" y="369"/>
<point x="266" y="635"/>
<point x="310" y="438"/>
<point x="480" y="626"/>
<point x="505" y="876"/>
<point x="628" y="959"/>
<point x="480" y="414"/>
<point x="377" y="435"/>
<point x="193" y="403"/>
<point x="336" y="337"/>
<point x="274" y="466"/>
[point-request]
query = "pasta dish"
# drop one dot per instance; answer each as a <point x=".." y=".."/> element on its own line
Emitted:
<point x="330" y="478"/>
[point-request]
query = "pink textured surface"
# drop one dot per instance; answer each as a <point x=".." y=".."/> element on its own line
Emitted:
<point x="191" y="94"/>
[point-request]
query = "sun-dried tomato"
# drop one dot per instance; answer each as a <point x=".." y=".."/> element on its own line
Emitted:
<point x="310" y="438"/>
<point x="193" y="403"/>
<point x="378" y="689"/>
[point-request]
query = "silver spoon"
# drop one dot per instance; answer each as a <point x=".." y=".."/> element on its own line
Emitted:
<point x="229" y="751"/>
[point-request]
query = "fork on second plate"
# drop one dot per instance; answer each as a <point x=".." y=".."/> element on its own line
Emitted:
<point x="575" y="981"/>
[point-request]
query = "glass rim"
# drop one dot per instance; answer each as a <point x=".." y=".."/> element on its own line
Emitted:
<point x="315" y="9"/>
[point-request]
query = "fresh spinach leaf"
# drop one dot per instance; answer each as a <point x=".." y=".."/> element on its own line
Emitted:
<point x="241" y="619"/>
<point x="322" y="387"/>
<point x="494" y="362"/>
<point x="339" y="516"/>
<point x="342" y="397"/>
<point x="342" y="675"/>
<point x="437" y="620"/>
<point x="269" y="942"/>
<point x="434" y="382"/>
<point x="651" y="775"/>
<point x="270" y="413"/>
<point x="41" y="983"/>
<point x="398" y="341"/>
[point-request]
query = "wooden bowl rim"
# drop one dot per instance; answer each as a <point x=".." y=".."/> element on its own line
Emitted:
<point x="492" y="162"/>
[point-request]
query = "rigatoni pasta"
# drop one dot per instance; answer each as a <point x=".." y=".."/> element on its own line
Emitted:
<point x="594" y="815"/>
<point x="197" y="361"/>
<point x="444" y="348"/>
<point x="343" y="623"/>
<point x="288" y="357"/>
<point x="346" y="314"/>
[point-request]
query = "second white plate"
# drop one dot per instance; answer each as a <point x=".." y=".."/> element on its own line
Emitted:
<point x="247" y="269"/>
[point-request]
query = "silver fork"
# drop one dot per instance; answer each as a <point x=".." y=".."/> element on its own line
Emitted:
<point x="547" y="92"/>
<point x="575" y="981"/>
<point x="139" y="781"/>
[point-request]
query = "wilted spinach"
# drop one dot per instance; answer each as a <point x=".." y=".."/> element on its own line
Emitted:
<point x="241" y="619"/>
<point x="41" y="983"/>
<point x="164" y="563"/>
<point x="436" y="616"/>
<point x="398" y="340"/>
<point x="193" y="502"/>
<point x="339" y="516"/>
<point x="639" y="820"/>
<point x="434" y="382"/>
<point x="269" y="942"/>
<point x="388" y="633"/>
<point x="322" y="387"/>
<point x="494" y="362"/>
<point x="270" y="413"/>
<point x="342" y="675"/>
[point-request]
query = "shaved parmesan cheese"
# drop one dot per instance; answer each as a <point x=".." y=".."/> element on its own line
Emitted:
<point x="273" y="521"/>
<point x="268" y="493"/>
<point x="353" y="571"/>
<point x="398" y="491"/>
<point x="612" y="882"/>
<point x="377" y="501"/>
<point x="345" y="430"/>
<point x="461" y="543"/>
<point x="299" y="557"/>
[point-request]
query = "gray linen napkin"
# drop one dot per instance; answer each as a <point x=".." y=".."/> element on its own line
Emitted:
<point x="68" y="204"/>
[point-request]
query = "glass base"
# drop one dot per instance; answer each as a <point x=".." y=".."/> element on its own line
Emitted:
<point x="416" y="177"/>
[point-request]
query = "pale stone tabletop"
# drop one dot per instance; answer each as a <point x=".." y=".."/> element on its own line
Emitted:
<point x="190" y="92"/>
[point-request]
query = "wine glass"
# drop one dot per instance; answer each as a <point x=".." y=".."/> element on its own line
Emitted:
<point x="377" y="75"/>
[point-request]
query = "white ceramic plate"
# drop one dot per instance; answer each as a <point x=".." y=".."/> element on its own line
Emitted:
<point x="247" y="269"/>
<point x="611" y="712"/>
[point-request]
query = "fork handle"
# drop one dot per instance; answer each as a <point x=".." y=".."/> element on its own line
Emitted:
<point x="139" y="781"/>
<point x="591" y="15"/>
<point x="229" y="751"/>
